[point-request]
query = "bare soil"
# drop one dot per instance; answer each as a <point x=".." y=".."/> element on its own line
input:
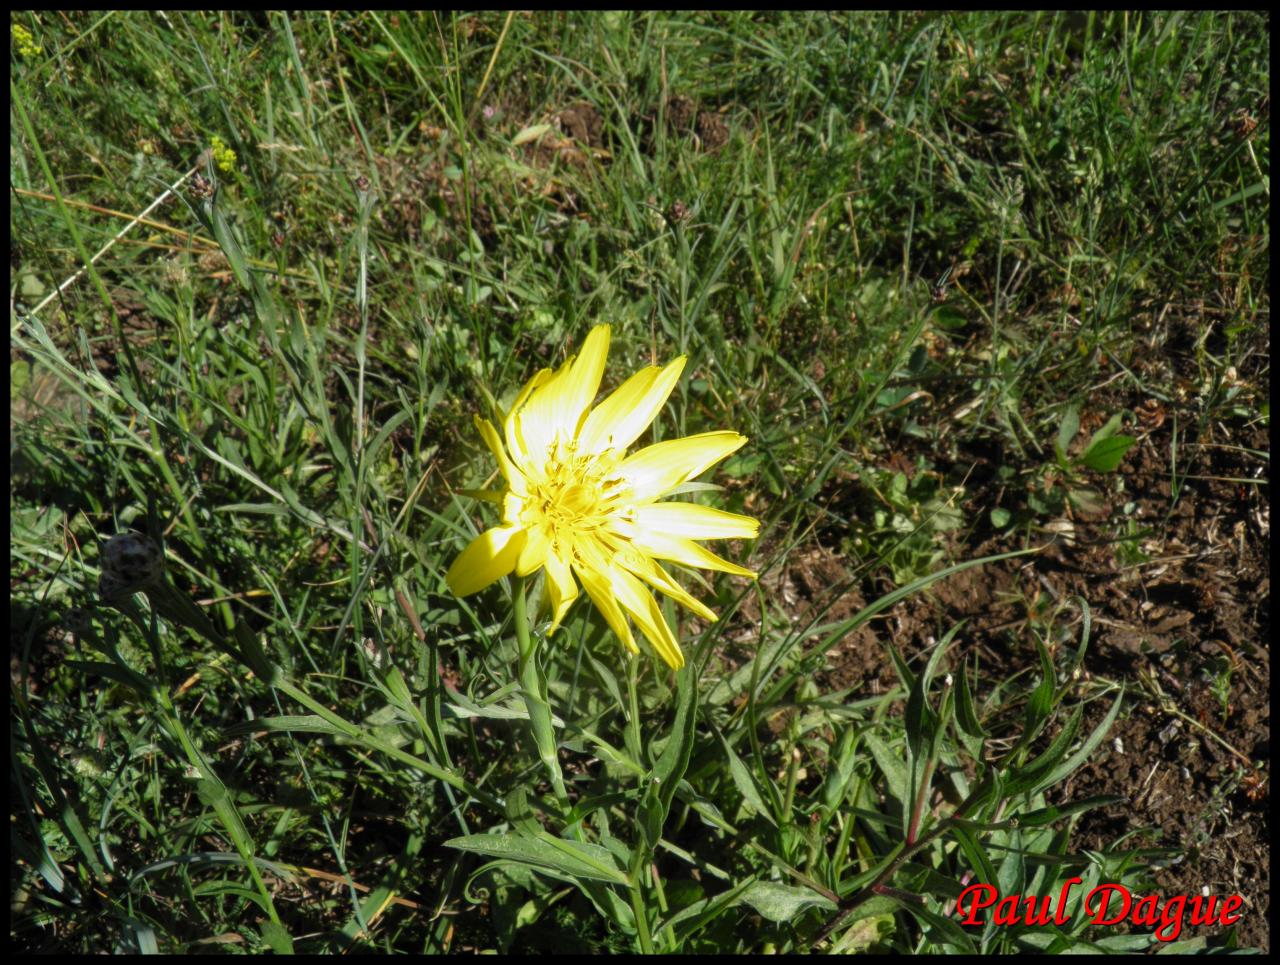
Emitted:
<point x="1184" y="626"/>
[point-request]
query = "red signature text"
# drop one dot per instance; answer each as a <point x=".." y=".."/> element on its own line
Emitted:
<point x="1107" y="904"/>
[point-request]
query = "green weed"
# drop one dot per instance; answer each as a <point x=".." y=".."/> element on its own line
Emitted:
<point x="265" y="268"/>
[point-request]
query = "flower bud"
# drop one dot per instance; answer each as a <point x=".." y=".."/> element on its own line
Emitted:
<point x="130" y="562"/>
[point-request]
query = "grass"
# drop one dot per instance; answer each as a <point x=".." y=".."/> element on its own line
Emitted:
<point x="873" y="235"/>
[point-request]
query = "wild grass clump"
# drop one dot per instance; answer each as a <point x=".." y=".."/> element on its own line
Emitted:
<point x="265" y="270"/>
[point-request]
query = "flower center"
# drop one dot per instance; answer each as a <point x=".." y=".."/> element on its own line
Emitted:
<point x="578" y="496"/>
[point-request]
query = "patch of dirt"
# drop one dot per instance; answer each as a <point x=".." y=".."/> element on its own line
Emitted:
<point x="683" y="117"/>
<point x="410" y="183"/>
<point x="713" y="132"/>
<point x="680" y="111"/>
<point x="1180" y="611"/>
<point x="584" y="123"/>
<point x="40" y="639"/>
<point x="576" y="138"/>
<point x="805" y="585"/>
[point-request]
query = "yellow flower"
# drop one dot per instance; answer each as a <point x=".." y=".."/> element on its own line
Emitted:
<point x="577" y="505"/>
<point x="223" y="156"/>
<point x="27" y="45"/>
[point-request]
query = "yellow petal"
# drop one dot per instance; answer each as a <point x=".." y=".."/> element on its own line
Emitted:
<point x="488" y="495"/>
<point x="583" y="381"/>
<point x="684" y="551"/>
<point x="653" y="574"/>
<point x="535" y="551"/>
<point x="514" y="478"/>
<point x="554" y="410"/>
<point x="696" y="522"/>
<point x="515" y="443"/>
<point x="488" y="557"/>
<point x="561" y="589"/>
<point x="619" y="420"/>
<point x="643" y="608"/>
<point x="535" y="427"/>
<point x="657" y="469"/>
<point x="513" y="509"/>
<point x="601" y="594"/>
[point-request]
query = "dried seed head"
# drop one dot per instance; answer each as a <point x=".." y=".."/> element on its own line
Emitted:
<point x="130" y="562"/>
<point x="201" y="188"/>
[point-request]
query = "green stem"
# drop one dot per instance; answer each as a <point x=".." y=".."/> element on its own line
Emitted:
<point x="901" y="853"/>
<point x="179" y="609"/>
<point x="638" y="871"/>
<point x="235" y="826"/>
<point x="643" y="854"/>
<point x="631" y="735"/>
<point x="533" y="686"/>
<point x="364" y="739"/>
<point x="225" y="809"/>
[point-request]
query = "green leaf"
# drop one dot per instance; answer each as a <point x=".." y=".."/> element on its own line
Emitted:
<point x="1048" y="815"/>
<point x="871" y="925"/>
<point x="1012" y="874"/>
<point x="225" y="235"/>
<point x="1027" y="777"/>
<point x="778" y="902"/>
<point x="1189" y="946"/>
<point x="210" y="793"/>
<point x="371" y="451"/>
<point x="966" y="710"/>
<point x="112" y="671"/>
<point x="919" y="717"/>
<point x="671" y="764"/>
<point x="1104" y="455"/>
<point x="19" y="376"/>
<point x="651" y="816"/>
<point x="940" y="930"/>
<point x="606" y="677"/>
<point x="520" y="813"/>
<point x="1066" y="432"/>
<point x="976" y="855"/>
<point x="746" y="785"/>
<point x="949" y="318"/>
<point x="1040" y="704"/>
<point x="214" y="794"/>
<point x="574" y="859"/>
<point x="299" y="724"/>
<point x="1088" y="501"/>
<point x="1107" y="431"/>
<point x="894" y="770"/>
<point x="530" y="134"/>
<point x="1124" y="943"/>
<point x="459" y="705"/>
<point x="31" y="286"/>
<point x="1082" y="753"/>
<point x="1244" y="194"/>
<point x="838" y="777"/>
<point x="934" y="722"/>
<point x="143" y="935"/>
<point x="277" y="938"/>
<point x="1000" y="517"/>
<point x="687" y="921"/>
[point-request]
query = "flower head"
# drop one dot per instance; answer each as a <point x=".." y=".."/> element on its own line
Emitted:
<point x="130" y="562"/>
<point x="223" y="155"/>
<point x="27" y="45"/>
<point x="578" y="506"/>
